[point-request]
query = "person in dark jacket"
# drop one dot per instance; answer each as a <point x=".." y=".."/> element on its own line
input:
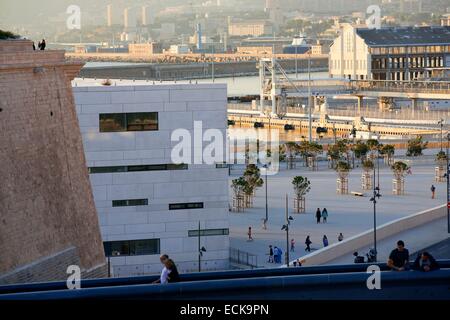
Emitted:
<point x="425" y="262"/>
<point x="325" y="241"/>
<point x="318" y="215"/>
<point x="308" y="243"/>
<point x="42" y="45"/>
<point x="173" y="276"/>
<point x="271" y="255"/>
<point x="399" y="258"/>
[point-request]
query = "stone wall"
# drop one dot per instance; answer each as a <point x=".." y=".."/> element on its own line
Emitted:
<point x="45" y="194"/>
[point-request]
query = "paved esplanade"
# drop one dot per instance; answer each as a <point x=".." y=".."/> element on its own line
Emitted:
<point x="348" y="214"/>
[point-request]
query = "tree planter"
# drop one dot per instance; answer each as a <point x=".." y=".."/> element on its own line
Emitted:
<point x="366" y="178"/>
<point x="238" y="204"/>
<point x="312" y="163"/>
<point x="439" y="171"/>
<point x="398" y="186"/>
<point x="301" y="188"/>
<point x="342" y="185"/>
<point x="343" y="169"/>
<point x="299" y="205"/>
<point x="366" y="181"/>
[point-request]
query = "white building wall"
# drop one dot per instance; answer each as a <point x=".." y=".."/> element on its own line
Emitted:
<point x="177" y="106"/>
<point x="349" y="56"/>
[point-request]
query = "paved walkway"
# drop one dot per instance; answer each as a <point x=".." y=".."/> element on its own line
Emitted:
<point x="347" y="214"/>
<point x="415" y="239"/>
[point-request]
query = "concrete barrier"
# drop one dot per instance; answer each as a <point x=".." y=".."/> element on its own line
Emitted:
<point x="365" y="239"/>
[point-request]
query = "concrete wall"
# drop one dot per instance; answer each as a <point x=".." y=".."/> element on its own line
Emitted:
<point x="45" y="195"/>
<point x="348" y="246"/>
<point x="178" y="106"/>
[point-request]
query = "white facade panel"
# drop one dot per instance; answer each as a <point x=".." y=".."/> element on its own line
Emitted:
<point x="177" y="105"/>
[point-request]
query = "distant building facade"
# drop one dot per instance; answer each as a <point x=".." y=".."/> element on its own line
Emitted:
<point x="179" y="49"/>
<point x="143" y="49"/>
<point x="253" y="28"/>
<point x="401" y="53"/>
<point x="148" y="205"/>
<point x="47" y="212"/>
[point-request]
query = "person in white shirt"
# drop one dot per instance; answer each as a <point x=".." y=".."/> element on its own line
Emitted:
<point x="163" y="279"/>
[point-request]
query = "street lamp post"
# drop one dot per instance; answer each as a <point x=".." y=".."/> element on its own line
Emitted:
<point x="286" y="228"/>
<point x="267" y="205"/>
<point x="448" y="185"/>
<point x="441" y="123"/>
<point x="376" y="195"/>
<point x="200" y="250"/>
<point x="309" y="99"/>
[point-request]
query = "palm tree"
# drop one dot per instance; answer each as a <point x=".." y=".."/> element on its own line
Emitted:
<point x="399" y="169"/>
<point x="416" y="146"/>
<point x="360" y="149"/>
<point x="291" y="151"/>
<point x="238" y="185"/>
<point x="252" y="177"/>
<point x="313" y="150"/>
<point x="301" y="188"/>
<point x="388" y="151"/>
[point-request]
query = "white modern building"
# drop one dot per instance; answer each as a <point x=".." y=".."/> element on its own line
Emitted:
<point x="148" y="205"/>
<point x="389" y="53"/>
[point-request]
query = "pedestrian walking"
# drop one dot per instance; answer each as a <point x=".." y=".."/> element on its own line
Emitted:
<point x="433" y="191"/>
<point x="249" y="233"/>
<point x="280" y="254"/>
<point x="164" y="277"/>
<point x="325" y="241"/>
<point x="318" y="215"/>
<point x="340" y="237"/>
<point x="308" y="244"/>
<point x="275" y="254"/>
<point x="173" y="275"/>
<point x="270" y="254"/>
<point x="292" y="245"/>
<point x="324" y="215"/>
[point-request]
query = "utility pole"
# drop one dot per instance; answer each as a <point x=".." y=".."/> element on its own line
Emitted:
<point x="267" y="206"/>
<point x="376" y="195"/>
<point x="199" y="250"/>
<point x="309" y="99"/>
<point x="212" y="65"/>
<point x="287" y="233"/>
<point x="448" y="185"/>
<point x="286" y="228"/>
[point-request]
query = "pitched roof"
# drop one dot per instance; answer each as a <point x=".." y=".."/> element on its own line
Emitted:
<point x="405" y="36"/>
